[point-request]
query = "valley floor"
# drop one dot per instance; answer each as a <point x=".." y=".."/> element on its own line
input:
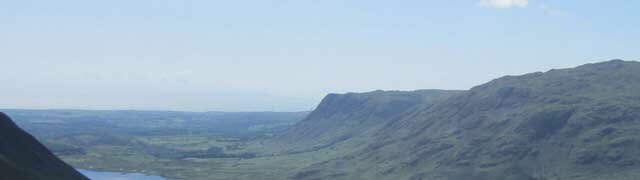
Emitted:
<point x="270" y="162"/>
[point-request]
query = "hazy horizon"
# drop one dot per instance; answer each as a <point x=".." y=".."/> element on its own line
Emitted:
<point x="286" y="55"/>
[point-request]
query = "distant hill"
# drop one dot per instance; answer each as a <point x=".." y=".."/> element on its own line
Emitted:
<point x="579" y="123"/>
<point x="72" y="122"/>
<point x="340" y="117"/>
<point x="22" y="157"/>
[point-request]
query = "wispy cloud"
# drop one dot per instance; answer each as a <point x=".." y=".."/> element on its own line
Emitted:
<point x="503" y="4"/>
<point x="551" y="11"/>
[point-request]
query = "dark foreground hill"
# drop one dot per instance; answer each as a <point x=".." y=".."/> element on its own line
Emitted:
<point x="22" y="157"/>
<point x="579" y="123"/>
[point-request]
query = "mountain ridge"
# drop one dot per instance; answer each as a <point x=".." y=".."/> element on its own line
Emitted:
<point x="575" y="123"/>
<point x="340" y="117"/>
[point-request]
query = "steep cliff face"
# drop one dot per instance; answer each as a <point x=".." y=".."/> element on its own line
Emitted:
<point x="579" y="123"/>
<point x="340" y="117"/>
<point x="22" y="157"/>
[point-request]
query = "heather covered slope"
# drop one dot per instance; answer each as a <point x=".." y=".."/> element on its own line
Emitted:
<point x="22" y="157"/>
<point x="580" y="123"/>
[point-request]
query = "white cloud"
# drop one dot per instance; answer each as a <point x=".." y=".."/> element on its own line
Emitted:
<point x="504" y="3"/>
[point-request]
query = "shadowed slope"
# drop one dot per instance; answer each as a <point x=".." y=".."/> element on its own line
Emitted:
<point x="22" y="157"/>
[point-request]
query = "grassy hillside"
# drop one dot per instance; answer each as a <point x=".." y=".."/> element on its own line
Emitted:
<point x="579" y="123"/>
<point x="22" y="157"/>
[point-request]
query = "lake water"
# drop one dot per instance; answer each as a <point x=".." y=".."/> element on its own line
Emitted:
<point x="95" y="175"/>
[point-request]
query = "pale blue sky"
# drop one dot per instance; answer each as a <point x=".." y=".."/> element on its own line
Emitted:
<point x="285" y="55"/>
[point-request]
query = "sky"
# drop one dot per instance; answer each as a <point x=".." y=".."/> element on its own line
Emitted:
<point x="286" y="55"/>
